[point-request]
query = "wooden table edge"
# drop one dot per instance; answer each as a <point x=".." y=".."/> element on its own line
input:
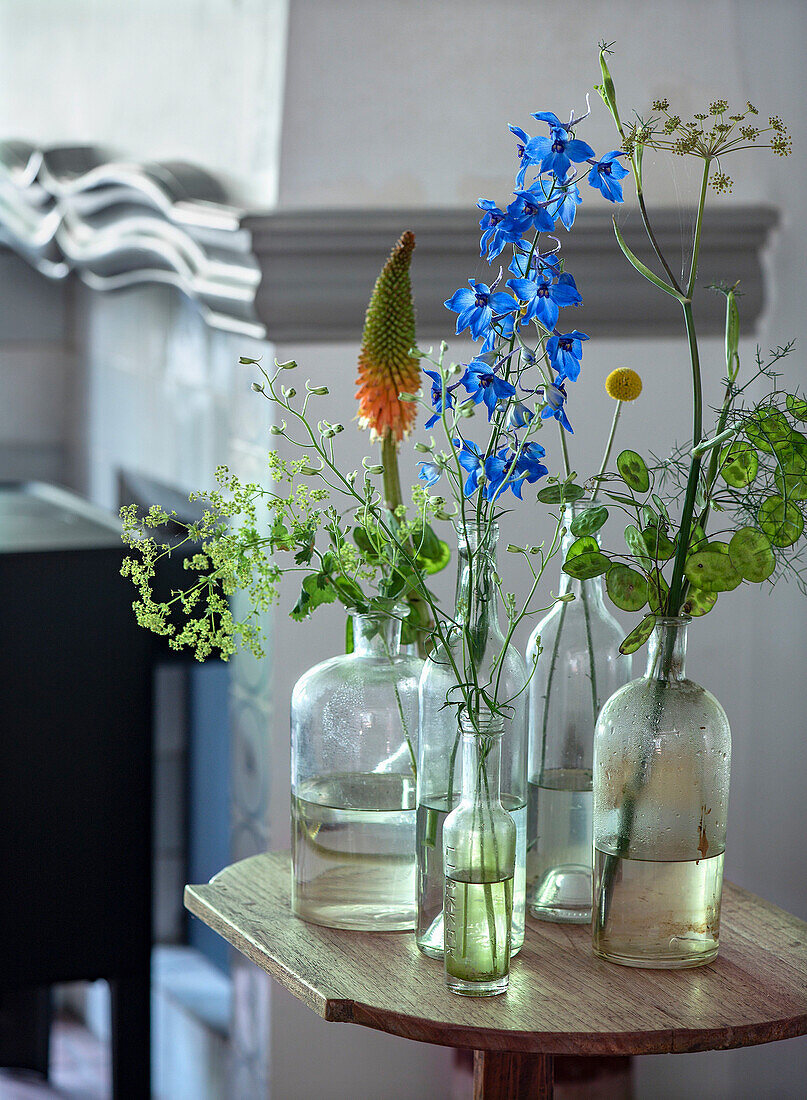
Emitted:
<point x="344" y="1010"/>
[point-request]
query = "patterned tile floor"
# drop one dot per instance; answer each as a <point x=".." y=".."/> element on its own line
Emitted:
<point x="79" y="1069"/>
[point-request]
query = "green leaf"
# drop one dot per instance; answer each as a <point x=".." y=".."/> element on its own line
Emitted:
<point x="315" y="591"/>
<point x="636" y="545"/>
<point x="620" y="498"/>
<point x="586" y="523"/>
<point x="562" y="493"/>
<point x="738" y="464"/>
<point x="781" y="521"/>
<point x="659" y="545"/>
<point x="643" y="269"/>
<point x="699" y="602"/>
<point x="751" y="554"/>
<point x="662" y="507"/>
<point x="633" y="470"/>
<point x="584" y="545"/>
<point x="585" y="566"/>
<point x="697" y="538"/>
<point x="768" y="430"/>
<point x="796" y="406"/>
<point x="433" y="554"/>
<point x="711" y="570"/>
<point x="348" y="591"/>
<point x="639" y="635"/>
<point x="626" y="587"/>
<point x="790" y="476"/>
<point x="732" y="334"/>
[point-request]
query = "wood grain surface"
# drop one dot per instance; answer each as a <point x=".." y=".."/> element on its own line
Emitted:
<point x="562" y="1000"/>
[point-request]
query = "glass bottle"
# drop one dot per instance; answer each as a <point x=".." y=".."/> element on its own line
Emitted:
<point x="579" y="667"/>
<point x="662" y="755"/>
<point x="353" y="753"/>
<point x="477" y="638"/>
<point x="479" y="856"/>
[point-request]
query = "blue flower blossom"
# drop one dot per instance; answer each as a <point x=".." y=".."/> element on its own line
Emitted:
<point x="565" y="350"/>
<point x="501" y="329"/>
<point x="556" y="153"/>
<point x="501" y="475"/>
<point x="517" y="416"/>
<point x="606" y="174"/>
<point x="429" y="472"/>
<point x="563" y="199"/>
<point x="477" y="305"/>
<point x="470" y="458"/>
<point x="437" y="398"/>
<point x="543" y="297"/>
<point x="530" y="205"/>
<point x="483" y="384"/>
<point x="523" y="141"/>
<point x="555" y="395"/>
<point x="500" y="227"/>
<point x="529" y="462"/>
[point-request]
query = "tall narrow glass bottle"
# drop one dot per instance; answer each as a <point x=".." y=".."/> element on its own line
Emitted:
<point x="662" y="754"/>
<point x="479" y="856"/>
<point x="477" y="638"/>
<point x="353" y="729"/>
<point x="578" y="669"/>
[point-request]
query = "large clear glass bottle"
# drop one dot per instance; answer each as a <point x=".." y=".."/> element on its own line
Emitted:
<point x="479" y="856"/>
<point x="662" y="755"/>
<point x="579" y="667"/>
<point x="353" y="754"/>
<point x="477" y="638"/>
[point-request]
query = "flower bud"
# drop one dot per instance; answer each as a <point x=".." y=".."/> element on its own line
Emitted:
<point x="318" y="391"/>
<point x="288" y="365"/>
<point x="257" y="387"/>
<point x="421" y="448"/>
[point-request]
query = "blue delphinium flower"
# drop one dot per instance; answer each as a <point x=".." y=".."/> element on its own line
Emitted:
<point x="500" y="227"/>
<point x="565" y="350"/>
<point x="521" y="151"/>
<point x="501" y="329"/>
<point x="529" y="462"/>
<point x="544" y="297"/>
<point x="606" y="174"/>
<point x="476" y="306"/>
<point x="555" y="395"/>
<point x="437" y="398"/>
<point x="500" y="475"/>
<point x="429" y="472"/>
<point x="530" y="205"/>
<point x="556" y="153"/>
<point x="470" y="458"/>
<point x="563" y="199"/>
<point x="483" y="384"/>
<point x="517" y="416"/>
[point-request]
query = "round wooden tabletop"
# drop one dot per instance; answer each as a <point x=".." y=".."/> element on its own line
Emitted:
<point x="561" y="1000"/>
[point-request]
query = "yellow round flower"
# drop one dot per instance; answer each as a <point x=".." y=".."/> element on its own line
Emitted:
<point x="623" y="384"/>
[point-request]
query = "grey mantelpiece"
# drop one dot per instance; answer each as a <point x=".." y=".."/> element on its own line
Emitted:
<point x="305" y="276"/>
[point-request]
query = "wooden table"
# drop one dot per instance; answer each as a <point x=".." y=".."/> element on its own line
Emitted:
<point x="562" y="1000"/>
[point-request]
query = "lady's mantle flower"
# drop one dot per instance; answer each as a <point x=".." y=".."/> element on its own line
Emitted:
<point x="556" y="153"/>
<point x="606" y="174"/>
<point x="429" y="472"/>
<point x="623" y="384"/>
<point x="555" y="396"/>
<point x="470" y="458"/>
<point x="565" y="350"/>
<point x="477" y="306"/>
<point x="483" y="384"/>
<point x="386" y="368"/>
<point x="500" y="227"/>
<point x="437" y="398"/>
<point x="543" y="297"/>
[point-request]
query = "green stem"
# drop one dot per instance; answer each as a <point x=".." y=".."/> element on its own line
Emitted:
<point x="607" y="453"/>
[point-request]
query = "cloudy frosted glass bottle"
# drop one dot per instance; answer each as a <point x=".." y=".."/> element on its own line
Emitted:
<point x="478" y="638"/>
<point x="578" y="669"/>
<point x="662" y="755"/>
<point x="479" y="857"/>
<point x="353" y="746"/>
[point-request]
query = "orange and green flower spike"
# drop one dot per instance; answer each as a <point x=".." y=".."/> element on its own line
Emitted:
<point x="385" y="367"/>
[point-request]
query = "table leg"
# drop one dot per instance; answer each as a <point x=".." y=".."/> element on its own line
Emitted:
<point x="502" y="1075"/>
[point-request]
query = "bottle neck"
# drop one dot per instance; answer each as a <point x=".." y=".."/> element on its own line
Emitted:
<point x="477" y="595"/>
<point x="481" y="758"/>
<point x="667" y="649"/>
<point x="377" y="635"/>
